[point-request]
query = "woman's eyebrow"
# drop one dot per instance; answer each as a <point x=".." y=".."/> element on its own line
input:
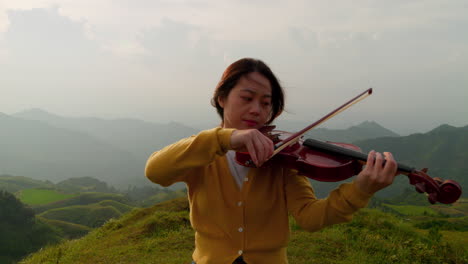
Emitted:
<point x="254" y="92"/>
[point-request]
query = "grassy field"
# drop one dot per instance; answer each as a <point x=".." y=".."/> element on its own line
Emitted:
<point x="413" y="209"/>
<point x="42" y="196"/>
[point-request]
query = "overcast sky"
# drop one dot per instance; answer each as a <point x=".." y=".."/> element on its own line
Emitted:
<point x="160" y="60"/>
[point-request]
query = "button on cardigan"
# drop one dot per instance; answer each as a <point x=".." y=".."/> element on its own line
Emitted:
<point x="252" y="221"/>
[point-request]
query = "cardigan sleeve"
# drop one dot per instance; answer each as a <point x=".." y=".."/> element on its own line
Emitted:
<point x="172" y="163"/>
<point x="313" y="214"/>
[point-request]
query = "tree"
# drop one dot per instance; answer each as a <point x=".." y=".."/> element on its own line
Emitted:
<point x="21" y="233"/>
<point x="13" y="211"/>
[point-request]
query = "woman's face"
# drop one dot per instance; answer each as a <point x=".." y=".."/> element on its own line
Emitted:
<point x="248" y="104"/>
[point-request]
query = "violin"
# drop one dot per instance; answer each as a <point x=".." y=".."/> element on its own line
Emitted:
<point x="334" y="161"/>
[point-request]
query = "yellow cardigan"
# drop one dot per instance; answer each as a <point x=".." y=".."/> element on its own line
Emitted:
<point x="253" y="221"/>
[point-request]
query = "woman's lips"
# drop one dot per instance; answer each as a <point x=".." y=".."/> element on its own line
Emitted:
<point x="250" y="123"/>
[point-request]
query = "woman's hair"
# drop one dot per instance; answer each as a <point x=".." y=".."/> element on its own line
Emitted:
<point x="242" y="67"/>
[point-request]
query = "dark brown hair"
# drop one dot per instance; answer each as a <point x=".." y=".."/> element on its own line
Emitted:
<point x="242" y="67"/>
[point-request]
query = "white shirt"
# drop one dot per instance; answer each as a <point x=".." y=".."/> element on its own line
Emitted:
<point x="238" y="171"/>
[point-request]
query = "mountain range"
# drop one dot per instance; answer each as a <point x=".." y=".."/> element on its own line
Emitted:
<point x="442" y="150"/>
<point x="365" y="130"/>
<point x="45" y="146"/>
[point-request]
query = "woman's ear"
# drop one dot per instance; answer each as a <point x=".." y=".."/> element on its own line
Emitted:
<point x="221" y="101"/>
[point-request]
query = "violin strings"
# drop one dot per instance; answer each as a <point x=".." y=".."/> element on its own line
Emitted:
<point x="295" y="139"/>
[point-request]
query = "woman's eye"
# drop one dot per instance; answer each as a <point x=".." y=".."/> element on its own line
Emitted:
<point x="266" y="103"/>
<point x="247" y="98"/>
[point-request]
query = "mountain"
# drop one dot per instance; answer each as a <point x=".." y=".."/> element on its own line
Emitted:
<point x="137" y="137"/>
<point x="41" y="151"/>
<point x="46" y="146"/>
<point x="365" y="130"/>
<point x="442" y="150"/>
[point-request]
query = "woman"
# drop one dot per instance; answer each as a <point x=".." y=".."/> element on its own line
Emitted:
<point x="240" y="215"/>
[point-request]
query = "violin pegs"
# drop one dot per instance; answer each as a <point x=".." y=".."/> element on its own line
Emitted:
<point x="438" y="180"/>
<point x="425" y="170"/>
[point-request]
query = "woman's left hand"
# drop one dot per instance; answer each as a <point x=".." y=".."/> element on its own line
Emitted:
<point x="378" y="172"/>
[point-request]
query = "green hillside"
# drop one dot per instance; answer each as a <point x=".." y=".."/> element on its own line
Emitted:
<point x="162" y="234"/>
<point x="66" y="230"/>
<point x="92" y="215"/>
<point x="42" y="196"/>
<point x="82" y="199"/>
<point x="84" y="184"/>
<point x="122" y="208"/>
<point x="13" y="184"/>
<point x="162" y="196"/>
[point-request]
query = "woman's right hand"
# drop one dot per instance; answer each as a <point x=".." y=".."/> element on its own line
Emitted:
<point x="259" y="146"/>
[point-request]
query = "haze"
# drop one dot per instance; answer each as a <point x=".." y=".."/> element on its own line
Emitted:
<point x="160" y="60"/>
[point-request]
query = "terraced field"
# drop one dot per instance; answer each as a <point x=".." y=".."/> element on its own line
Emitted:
<point x="42" y="196"/>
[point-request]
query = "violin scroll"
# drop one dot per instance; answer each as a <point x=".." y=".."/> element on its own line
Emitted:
<point x="438" y="190"/>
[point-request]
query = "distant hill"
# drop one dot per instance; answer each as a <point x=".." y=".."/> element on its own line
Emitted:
<point x="140" y="138"/>
<point x="42" y="146"/>
<point x="13" y="184"/>
<point x="365" y="130"/>
<point x="443" y="150"/>
<point x="41" y="151"/>
<point x="84" y="184"/>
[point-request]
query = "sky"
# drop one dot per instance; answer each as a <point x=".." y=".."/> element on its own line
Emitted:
<point x="160" y="60"/>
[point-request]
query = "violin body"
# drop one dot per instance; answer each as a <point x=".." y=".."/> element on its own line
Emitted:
<point x="334" y="162"/>
<point x="326" y="167"/>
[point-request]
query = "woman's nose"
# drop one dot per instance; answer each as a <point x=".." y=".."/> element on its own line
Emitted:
<point x="255" y="108"/>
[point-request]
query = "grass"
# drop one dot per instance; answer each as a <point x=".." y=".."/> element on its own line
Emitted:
<point x="42" y="196"/>
<point x="413" y="209"/>
<point x="162" y="234"/>
<point x="458" y="238"/>
<point x="372" y="237"/>
<point x="92" y="215"/>
<point x="67" y="230"/>
<point x="122" y="208"/>
<point x="81" y="199"/>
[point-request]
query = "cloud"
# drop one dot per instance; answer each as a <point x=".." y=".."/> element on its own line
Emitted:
<point x="50" y="61"/>
<point x="141" y="56"/>
<point x="176" y="44"/>
<point x="42" y="35"/>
